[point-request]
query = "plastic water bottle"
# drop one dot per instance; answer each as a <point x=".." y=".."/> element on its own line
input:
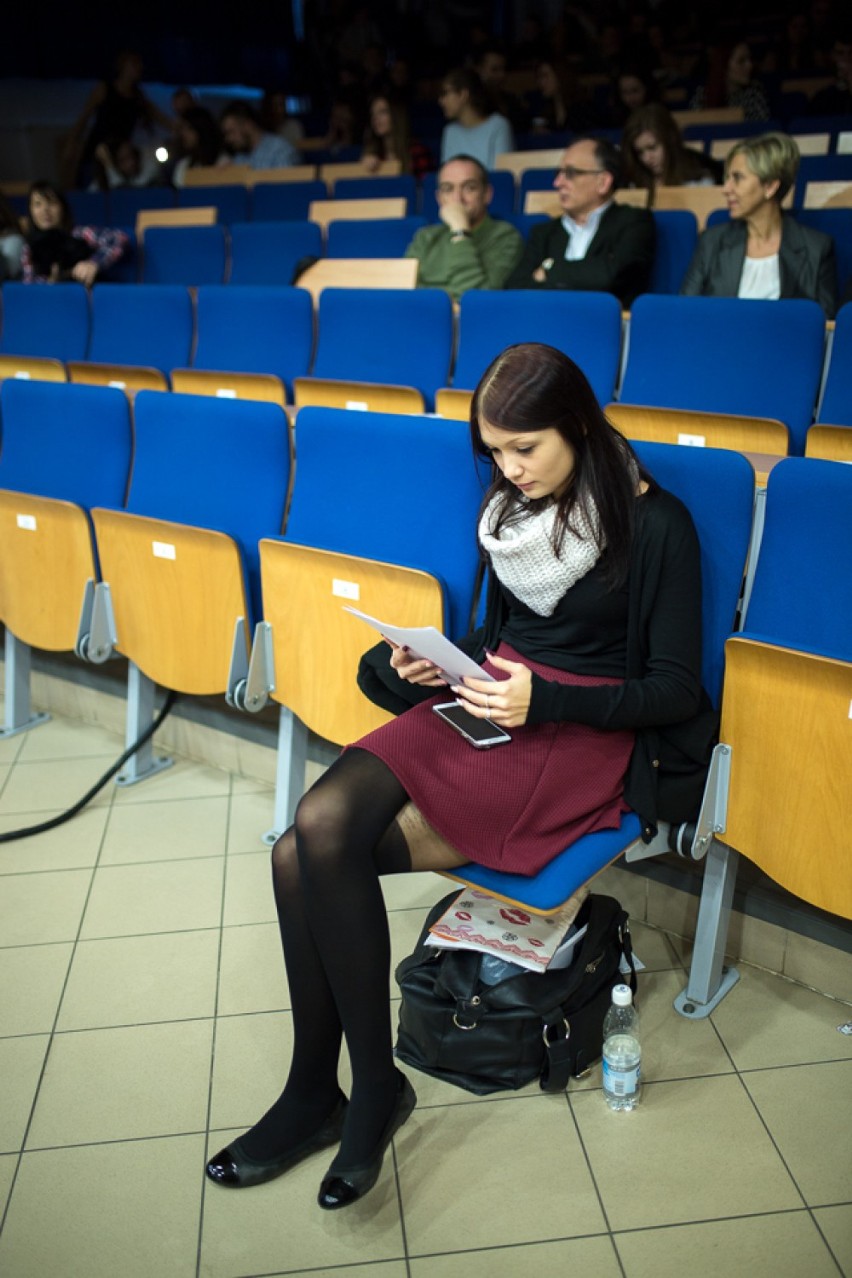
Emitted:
<point x="621" y="1051"/>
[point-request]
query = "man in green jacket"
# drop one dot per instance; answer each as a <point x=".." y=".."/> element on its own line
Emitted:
<point x="467" y="248"/>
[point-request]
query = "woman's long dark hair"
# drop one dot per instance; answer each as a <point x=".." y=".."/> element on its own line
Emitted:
<point x="533" y="387"/>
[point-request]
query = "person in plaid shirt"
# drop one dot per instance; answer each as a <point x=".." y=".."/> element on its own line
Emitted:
<point x="56" y="250"/>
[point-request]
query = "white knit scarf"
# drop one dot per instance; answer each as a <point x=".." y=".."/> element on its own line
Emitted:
<point x="525" y="561"/>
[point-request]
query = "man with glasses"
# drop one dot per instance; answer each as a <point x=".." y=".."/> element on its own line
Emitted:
<point x="596" y="244"/>
<point x="468" y="248"/>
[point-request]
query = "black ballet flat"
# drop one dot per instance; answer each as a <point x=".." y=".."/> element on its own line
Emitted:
<point x="234" y="1169"/>
<point x="340" y="1188"/>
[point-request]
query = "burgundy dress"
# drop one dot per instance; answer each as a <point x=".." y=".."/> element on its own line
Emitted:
<point x="516" y="806"/>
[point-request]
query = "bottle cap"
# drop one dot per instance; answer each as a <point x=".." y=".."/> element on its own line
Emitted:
<point x="622" y="995"/>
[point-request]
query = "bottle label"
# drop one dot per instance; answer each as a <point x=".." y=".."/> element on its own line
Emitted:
<point x="620" y="1082"/>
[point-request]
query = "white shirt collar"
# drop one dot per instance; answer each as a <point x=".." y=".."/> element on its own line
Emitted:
<point x="591" y="223"/>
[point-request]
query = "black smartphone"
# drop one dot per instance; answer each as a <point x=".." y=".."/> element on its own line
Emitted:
<point x="480" y="733"/>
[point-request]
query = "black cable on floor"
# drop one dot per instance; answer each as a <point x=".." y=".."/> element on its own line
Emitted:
<point x="9" y="835"/>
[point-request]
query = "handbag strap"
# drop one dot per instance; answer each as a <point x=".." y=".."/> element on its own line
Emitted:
<point x="556" y="1027"/>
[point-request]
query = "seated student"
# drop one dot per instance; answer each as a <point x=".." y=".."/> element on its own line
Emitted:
<point x="468" y="248"/>
<point x="249" y="144"/>
<point x="11" y="241"/>
<point x="56" y="250"/>
<point x="763" y="252"/>
<point x="388" y="137"/>
<point x="730" y="83"/>
<point x="593" y="635"/>
<point x="597" y="245"/>
<point x="654" y="153"/>
<point x="471" y="130"/>
<point x="199" y="143"/>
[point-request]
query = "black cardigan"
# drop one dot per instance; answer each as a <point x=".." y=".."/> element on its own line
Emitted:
<point x="661" y="697"/>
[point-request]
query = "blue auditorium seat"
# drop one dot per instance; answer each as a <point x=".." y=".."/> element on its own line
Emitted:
<point x="189" y="255"/>
<point x="836" y="406"/>
<point x="232" y="202"/>
<point x="586" y="326"/>
<point x="142" y="324"/>
<point x="821" y="168"/>
<point x="51" y="323"/>
<point x="727" y="355"/>
<point x="398" y="336"/>
<point x="534" y="180"/>
<point x="268" y="252"/>
<point x="377" y="188"/>
<point x="126" y="201"/>
<point x="254" y="329"/>
<point x="89" y="208"/>
<point x="677" y="236"/>
<point x="285" y="201"/>
<point x="380" y="237"/>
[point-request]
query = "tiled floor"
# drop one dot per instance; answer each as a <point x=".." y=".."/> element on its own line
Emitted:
<point x="143" y="1020"/>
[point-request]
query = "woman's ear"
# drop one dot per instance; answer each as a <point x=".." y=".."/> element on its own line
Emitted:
<point x="770" y="189"/>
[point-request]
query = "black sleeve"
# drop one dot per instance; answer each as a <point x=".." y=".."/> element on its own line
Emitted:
<point x="380" y="683"/>
<point x="668" y="690"/>
<point x="697" y="273"/>
<point x="535" y="252"/>
<point x="624" y="265"/>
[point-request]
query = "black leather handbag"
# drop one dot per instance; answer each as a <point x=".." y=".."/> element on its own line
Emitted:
<point x="489" y="1038"/>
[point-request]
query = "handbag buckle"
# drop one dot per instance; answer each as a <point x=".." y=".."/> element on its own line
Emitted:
<point x="461" y="1007"/>
<point x="545" y="1031"/>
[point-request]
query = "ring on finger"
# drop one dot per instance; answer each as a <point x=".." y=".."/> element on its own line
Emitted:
<point x="487" y="700"/>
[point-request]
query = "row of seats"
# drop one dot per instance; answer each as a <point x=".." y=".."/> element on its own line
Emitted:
<point x="175" y="549"/>
<point x="270" y="201"/>
<point x="712" y="355"/>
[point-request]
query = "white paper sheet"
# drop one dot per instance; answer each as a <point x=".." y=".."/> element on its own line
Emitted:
<point x="427" y="642"/>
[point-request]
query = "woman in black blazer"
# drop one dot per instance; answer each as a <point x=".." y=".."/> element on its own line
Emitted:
<point x="763" y="252"/>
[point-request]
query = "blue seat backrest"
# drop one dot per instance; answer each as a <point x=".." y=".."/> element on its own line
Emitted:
<point x="726" y="355"/>
<point x="212" y="463"/>
<point x="382" y="237"/>
<point x="69" y="442"/>
<point x="398" y="336"/>
<point x="502" y="200"/>
<point x="802" y="594"/>
<point x="836" y="406"/>
<point x="739" y="129"/>
<point x="142" y="324"/>
<point x="268" y="252"/>
<point x="834" y="222"/>
<point x="189" y="255"/>
<point x="89" y="208"/>
<point x="586" y="326"/>
<point x="285" y="201"/>
<point x="677" y="236"/>
<point x="232" y="202"/>
<point x="52" y="323"/>
<point x="717" y="487"/>
<point x="254" y="329"/>
<point x="401" y="489"/>
<point x="126" y="201"/>
<point x="377" y="188"/>
<point x="524" y="222"/>
<point x="534" y="180"/>
<point x="821" y="168"/>
<point x="126" y="269"/>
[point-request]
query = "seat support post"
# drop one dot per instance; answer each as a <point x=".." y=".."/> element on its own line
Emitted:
<point x="709" y="980"/>
<point x="140" y="713"/>
<point x="291" y="759"/>
<point x="18" y="715"/>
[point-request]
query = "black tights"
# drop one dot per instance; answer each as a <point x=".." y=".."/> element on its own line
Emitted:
<point x="334" y="932"/>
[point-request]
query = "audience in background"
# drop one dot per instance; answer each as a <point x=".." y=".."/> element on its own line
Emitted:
<point x="468" y="248"/>
<point x="558" y="105"/>
<point x="124" y="164"/>
<point x="247" y="142"/>
<point x="470" y="129"/>
<point x="11" y="242"/>
<point x="633" y="87"/>
<point x="491" y="65"/>
<point x="654" y="153"/>
<point x="183" y="100"/>
<point x="836" y="99"/>
<point x="56" y="250"/>
<point x="116" y="109"/>
<point x="199" y="143"/>
<point x="730" y="83"/>
<point x="276" y="119"/>
<point x="596" y="244"/>
<point x="793" y="53"/>
<point x="763" y="252"/>
<point x="388" y="137"/>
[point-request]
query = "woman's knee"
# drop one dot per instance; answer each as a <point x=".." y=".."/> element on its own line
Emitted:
<point x="284" y="858"/>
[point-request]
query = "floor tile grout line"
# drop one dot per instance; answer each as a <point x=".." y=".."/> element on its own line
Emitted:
<point x="804" y="1210"/>
<point x="401" y="1209"/>
<point x="46" y="1058"/>
<point x="215" y="1030"/>
<point x="594" y="1179"/>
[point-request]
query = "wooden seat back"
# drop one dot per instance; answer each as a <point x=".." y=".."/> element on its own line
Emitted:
<point x="359" y="272"/>
<point x="204" y="215"/>
<point x="265" y="387"/>
<point x="361" y="396"/>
